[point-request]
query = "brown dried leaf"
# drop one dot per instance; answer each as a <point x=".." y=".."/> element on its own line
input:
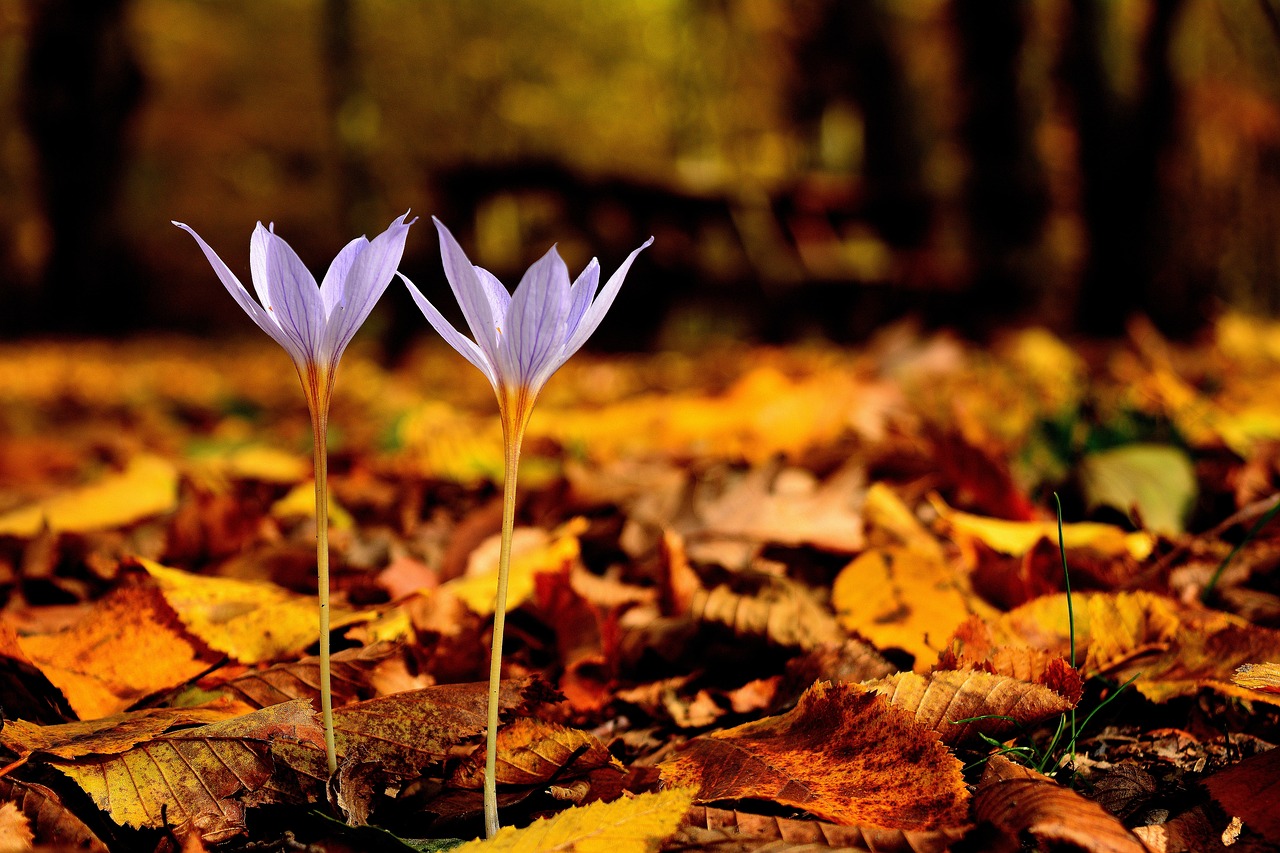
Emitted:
<point x="128" y="646"/>
<point x="880" y="768"/>
<point x="821" y="834"/>
<point x="353" y="673"/>
<point x="940" y="698"/>
<point x="1263" y="677"/>
<point x="107" y="735"/>
<point x="1250" y="790"/>
<point x="191" y="777"/>
<point x="1015" y="801"/>
<point x="784" y="611"/>
<point x="53" y="824"/>
<point x="533" y="752"/>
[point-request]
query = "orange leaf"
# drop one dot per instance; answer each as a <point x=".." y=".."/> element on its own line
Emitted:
<point x="533" y="752"/>
<point x="107" y="735"/>
<point x="735" y="825"/>
<point x="1250" y="790"/>
<point x="53" y="824"/>
<point x="1017" y="801"/>
<point x="128" y="646"/>
<point x="879" y="767"/>
<point x="1263" y="677"/>
<point x="940" y="698"/>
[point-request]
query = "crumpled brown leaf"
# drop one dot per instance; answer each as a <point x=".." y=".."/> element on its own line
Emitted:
<point x="822" y="835"/>
<point x="1017" y="800"/>
<point x="52" y="823"/>
<point x="880" y="767"/>
<point x="533" y="752"/>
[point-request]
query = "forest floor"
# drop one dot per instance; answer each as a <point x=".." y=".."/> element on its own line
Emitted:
<point x="762" y="599"/>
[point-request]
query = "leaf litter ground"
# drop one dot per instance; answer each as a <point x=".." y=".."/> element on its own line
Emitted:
<point x="761" y="599"/>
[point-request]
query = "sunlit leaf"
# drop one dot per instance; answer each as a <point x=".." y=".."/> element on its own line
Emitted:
<point x="1018" y="537"/>
<point x="533" y="752"/>
<point x="815" y="834"/>
<point x="553" y="554"/>
<point x="147" y="486"/>
<point x="1157" y="482"/>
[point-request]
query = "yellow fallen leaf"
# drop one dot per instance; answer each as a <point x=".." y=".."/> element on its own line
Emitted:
<point x="252" y="621"/>
<point x="479" y="591"/>
<point x="147" y="486"/>
<point x="1264" y="677"/>
<point x="897" y="597"/>
<point x="1018" y="537"/>
<point x="258" y="462"/>
<point x="634" y="825"/>
<point x="300" y="502"/>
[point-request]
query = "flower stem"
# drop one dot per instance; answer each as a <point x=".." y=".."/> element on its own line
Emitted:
<point x="513" y="435"/>
<point x="320" y="433"/>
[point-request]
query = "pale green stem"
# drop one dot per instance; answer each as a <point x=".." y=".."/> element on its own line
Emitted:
<point x="513" y="437"/>
<point x="317" y="387"/>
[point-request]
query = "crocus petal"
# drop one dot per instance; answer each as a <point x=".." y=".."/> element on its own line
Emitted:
<point x="536" y="320"/>
<point x="237" y="290"/>
<point x="580" y="295"/>
<point x="464" y="345"/>
<point x="293" y="293"/>
<point x="331" y="288"/>
<point x="470" y="292"/>
<point x="595" y="313"/>
<point x="367" y="279"/>
<point x="499" y="300"/>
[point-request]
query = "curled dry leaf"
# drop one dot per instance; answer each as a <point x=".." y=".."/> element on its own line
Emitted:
<point x="941" y="698"/>
<point x="784" y="612"/>
<point x="252" y="621"/>
<point x="630" y="825"/>
<point x="356" y="675"/>
<point x="1263" y="677"/>
<point x="903" y="598"/>
<point x="15" y="830"/>
<point x="191" y="778"/>
<point x="128" y="646"/>
<point x="881" y="768"/>
<point x="52" y="823"/>
<point x="1016" y="800"/>
<point x="820" y="834"/>
<point x="147" y="486"/>
<point x="534" y="752"/>
<point x="107" y="735"/>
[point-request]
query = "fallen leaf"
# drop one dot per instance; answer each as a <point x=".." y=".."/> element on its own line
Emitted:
<point x="354" y="674"/>
<point x="784" y="612"/>
<point x="1263" y="677"/>
<point x="631" y="825"/>
<point x="941" y="698"/>
<point x="147" y="486"/>
<point x="881" y="768"/>
<point x="1018" y="537"/>
<point x="251" y="621"/>
<point x="300" y="502"/>
<point x="107" y="735"/>
<point x="191" y="778"/>
<point x="15" y="830"/>
<point x="1154" y="481"/>
<point x="128" y="646"/>
<point x="554" y="553"/>
<point x="1250" y="789"/>
<point x="52" y="823"/>
<point x="822" y="835"/>
<point x="258" y="462"/>
<point x="902" y="598"/>
<point x="533" y="752"/>
<point x="1018" y="801"/>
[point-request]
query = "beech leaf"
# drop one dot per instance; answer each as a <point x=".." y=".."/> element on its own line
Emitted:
<point x="533" y="752"/>
<point x="630" y="825"/>
<point x="53" y="824"/>
<point x="880" y="767"/>
<point x="819" y="834"/>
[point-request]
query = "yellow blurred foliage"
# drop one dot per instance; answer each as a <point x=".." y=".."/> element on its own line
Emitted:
<point x="147" y="486"/>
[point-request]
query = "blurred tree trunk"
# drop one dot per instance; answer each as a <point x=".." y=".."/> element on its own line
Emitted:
<point x="1121" y="149"/>
<point x="353" y="118"/>
<point x="1006" y="199"/>
<point x="81" y="86"/>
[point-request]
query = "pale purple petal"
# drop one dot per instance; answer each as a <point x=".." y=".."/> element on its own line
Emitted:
<point x="295" y="296"/>
<point x="256" y="312"/>
<point x="258" y="271"/>
<point x="367" y="279"/>
<point x="496" y="292"/>
<point x="595" y="313"/>
<point x="580" y="295"/>
<point x="535" y="331"/>
<point x="331" y="288"/>
<point x="470" y="291"/>
<point x="464" y="345"/>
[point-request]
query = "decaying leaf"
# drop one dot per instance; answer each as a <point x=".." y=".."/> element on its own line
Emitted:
<point x="1250" y="790"/>
<point x="127" y="646"/>
<point x="1155" y="482"/>
<point x="880" y="767"/>
<point x="52" y="823"/>
<point x="902" y="598"/>
<point x="533" y="752"/>
<point x="15" y="830"/>
<point x="1263" y="677"/>
<point x="630" y="825"/>
<point x="191" y="777"/>
<point x="941" y="698"/>
<point x="739" y="824"/>
<point x="251" y="621"/>
<point x="355" y="674"/>
<point x="784" y="612"/>
<point x="1016" y="800"/>
<point x="147" y="486"/>
<point x="106" y="735"/>
<point x="542" y="553"/>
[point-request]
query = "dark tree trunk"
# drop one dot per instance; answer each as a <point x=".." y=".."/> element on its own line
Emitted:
<point x="1006" y="199"/>
<point x="82" y="85"/>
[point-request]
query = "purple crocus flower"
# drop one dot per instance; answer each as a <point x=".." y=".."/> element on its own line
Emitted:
<point x="521" y="339"/>
<point x="314" y="325"/>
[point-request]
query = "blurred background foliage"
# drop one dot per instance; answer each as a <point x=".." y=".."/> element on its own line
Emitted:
<point x="809" y="168"/>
